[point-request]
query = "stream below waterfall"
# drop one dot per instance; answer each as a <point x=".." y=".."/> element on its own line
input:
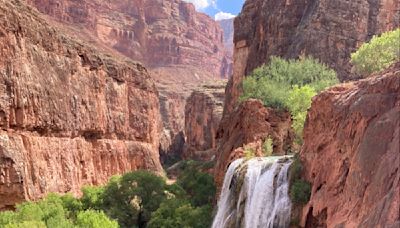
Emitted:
<point x="255" y="194"/>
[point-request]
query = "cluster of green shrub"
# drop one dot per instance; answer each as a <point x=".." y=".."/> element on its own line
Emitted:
<point x="300" y="190"/>
<point x="136" y="199"/>
<point x="289" y="85"/>
<point x="377" y="54"/>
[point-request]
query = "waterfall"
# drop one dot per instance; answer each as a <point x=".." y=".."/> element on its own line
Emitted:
<point x="255" y="194"/>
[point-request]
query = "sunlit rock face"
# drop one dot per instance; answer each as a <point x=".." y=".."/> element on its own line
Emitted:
<point x="327" y="30"/>
<point x="157" y="33"/>
<point x="255" y="194"/>
<point x="351" y="154"/>
<point x="70" y="115"/>
<point x="203" y="113"/>
<point x="248" y="126"/>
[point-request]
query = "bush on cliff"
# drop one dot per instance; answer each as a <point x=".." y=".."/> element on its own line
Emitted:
<point x="289" y="85"/>
<point x="379" y="53"/>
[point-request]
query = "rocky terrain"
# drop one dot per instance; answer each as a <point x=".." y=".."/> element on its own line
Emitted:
<point x="327" y="30"/>
<point x="248" y="126"/>
<point x="181" y="47"/>
<point x="351" y="154"/>
<point x="70" y="115"/>
<point x="203" y="113"/>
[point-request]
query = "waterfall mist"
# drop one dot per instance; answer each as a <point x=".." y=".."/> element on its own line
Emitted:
<point x="255" y="194"/>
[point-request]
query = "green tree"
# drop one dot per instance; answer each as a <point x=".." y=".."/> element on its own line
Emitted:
<point x="298" y="102"/>
<point x="379" y="53"/>
<point x="180" y="213"/>
<point x="133" y="197"/>
<point x="267" y="146"/>
<point x="94" y="219"/>
<point x="197" y="184"/>
<point x="289" y="85"/>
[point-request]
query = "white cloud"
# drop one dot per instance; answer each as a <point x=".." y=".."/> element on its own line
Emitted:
<point x="222" y="16"/>
<point x="201" y="4"/>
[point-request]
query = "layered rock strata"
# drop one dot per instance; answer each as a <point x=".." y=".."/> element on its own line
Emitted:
<point x="70" y="116"/>
<point x="203" y="113"/>
<point x="327" y="30"/>
<point x="246" y="129"/>
<point x="351" y="154"/>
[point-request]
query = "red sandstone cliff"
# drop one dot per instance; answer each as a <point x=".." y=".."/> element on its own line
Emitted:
<point x="157" y="33"/>
<point x="327" y="30"/>
<point x="351" y="154"/>
<point x="181" y="47"/>
<point x="69" y="115"/>
<point x="203" y="113"/>
<point x="247" y="128"/>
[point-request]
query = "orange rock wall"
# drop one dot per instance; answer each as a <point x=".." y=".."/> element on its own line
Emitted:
<point x="351" y="154"/>
<point x="69" y="115"/>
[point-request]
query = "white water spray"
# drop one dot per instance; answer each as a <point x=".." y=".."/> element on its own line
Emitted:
<point x="255" y="194"/>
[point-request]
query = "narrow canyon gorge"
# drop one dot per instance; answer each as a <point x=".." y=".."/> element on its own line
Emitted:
<point x="92" y="89"/>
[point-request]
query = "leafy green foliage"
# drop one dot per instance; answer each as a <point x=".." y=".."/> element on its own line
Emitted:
<point x="198" y="185"/>
<point x="290" y="85"/>
<point x="298" y="102"/>
<point x="267" y="146"/>
<point x="132" y="200"/>
<point x="180" y="213"/>
<point x="95" y="219"/>
<point x="300" y="190"/>
<point x="379" y="53"/>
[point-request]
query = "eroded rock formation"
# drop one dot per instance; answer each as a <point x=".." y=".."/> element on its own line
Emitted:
<point x="157" y="33"/>
<point x="327" y="30"/>
<point x="227" y="27"/>
<point x="351" y="154"/>
<point x="247" y="127"/>
<point x="203" y="113"/>
<point x="70" y="116"/>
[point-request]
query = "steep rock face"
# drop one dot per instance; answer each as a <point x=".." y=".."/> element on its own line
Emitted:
<point x="351" y="154"/>
<point x="157" y="33"/>
<point x="181" y="47"/>
<point x="203" y="113"/>
<point x="246" y="128"/>
<point x="227" y="27"/>
<point x="327" y="30"/>
<point x="69" y="115"/>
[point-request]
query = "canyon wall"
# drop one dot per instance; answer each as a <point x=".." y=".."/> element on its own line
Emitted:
<point x="69" y="115"/>
<point x="327" y="30"/>
<point x="157" y="33"/>
<point x="203" y="113"/>
<point x="181" y="48"/>
<point x="351" y="154"/>
<point x="246" y="129"/>
<point x="227" y="27"/>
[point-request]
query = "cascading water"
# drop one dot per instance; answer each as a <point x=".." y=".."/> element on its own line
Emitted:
<point x="255" y="194"/>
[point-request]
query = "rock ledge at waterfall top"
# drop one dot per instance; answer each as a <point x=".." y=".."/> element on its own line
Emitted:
<point x="70" y="116"/>
<point x="351" y="154"/>
<point x="247" y="127"/>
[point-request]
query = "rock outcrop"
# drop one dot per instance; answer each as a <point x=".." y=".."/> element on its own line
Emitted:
<point x="327" y="30"/>
<point x="227" y="27"/>
<point x="351" y="154"/>
<point x="157" y="33"/>
<point x="203" y="113"/>
<point x="247" y="127"/>
<point x="181" y="47"/>
<point x="69" y="115"/>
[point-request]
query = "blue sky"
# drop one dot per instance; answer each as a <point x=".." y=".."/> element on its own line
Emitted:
<point x="218" y="9"/>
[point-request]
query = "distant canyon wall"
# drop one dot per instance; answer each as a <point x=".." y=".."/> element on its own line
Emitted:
<point x="69" y="115"/>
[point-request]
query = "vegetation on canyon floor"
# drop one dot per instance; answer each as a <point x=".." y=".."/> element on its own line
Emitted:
<point x="136" y="199"/>
<point x="379" y="53"/>
<point x="289" y="85"/>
